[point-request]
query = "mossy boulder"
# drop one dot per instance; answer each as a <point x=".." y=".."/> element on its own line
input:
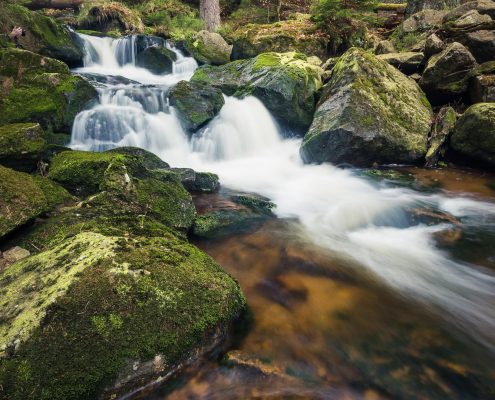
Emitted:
<point x="40" y="89"/>
<point x="482" y="83"/>
<point x="197" y="103"/>
<point x="44" y="35"/>
<point x="209" y="48"/>
<point x="158" y="60"/>
<point x="55" y="194"/>
<point x="474" y="133"/>
<point x="110" y="17"/>
<point x="21" y="145"/>
<point x="97" y="316"/>
<point x="368" y="112"/>
<point x="21" y="200"/>
<point x="445" y="73"/>
<point x="299" y="35"/>
<point x="285" y="82"/>
<point x="412" y="33"/>
<point x="414" y="6"/>
<point x="147" y="159"/>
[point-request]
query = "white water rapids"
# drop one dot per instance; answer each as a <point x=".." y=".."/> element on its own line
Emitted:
<point x="358" y="221"/>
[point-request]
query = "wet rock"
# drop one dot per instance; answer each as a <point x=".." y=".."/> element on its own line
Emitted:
<point x="196" y="103"/>
<point x="40" y="89"/>
<point x="385" y="47"/>
<point x="442" y="129"/>
<point x="407" y="62"/>
<point x="209" y="48"/>
<point x="356" y="123"/>
<point x="445" y="73"/>
<point x="21" y="200"/>
<point x="433" y="45"/>
<point x="21" y="145"/>
<point x="482" y="83"/>
<point x="299" y="35"/>
<point x="44" y="35"/>
<point x="286" y="83"/>
<point x="157" y="60"/>
<point x="474" y="133"/>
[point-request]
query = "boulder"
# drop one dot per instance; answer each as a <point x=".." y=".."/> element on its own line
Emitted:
<point x="110" y="17"/>
<point x="482" y="6"/>
<point x="55" y="194"/>
<point x="385" y="47"/>
<point x="474" y="133"/>
<point x="40" y="89"/>
<point x="441" y="130"/>
<point x="300" y="35"/>
<point x="197" y="182"/>
<point x="285" y="82"/>
<point x="414" y="6"/>
<point x="368" y="112"/>
<point x="196" y="103"/>
<point x="21" y="200"/>
<point x="209" y="48"/>
<point x="21" y="145"/>
<point x="433" y="45"/>
<point x="482" y="83"/>
<point x="481" y="44"/>
<point x="43" y="35"/>
<point x="407" y="62"/>
<point x="158" y="60"/>
<point x="412" y="33"/>
<point x="99" y="316"/>
<point x="445" y="73"/>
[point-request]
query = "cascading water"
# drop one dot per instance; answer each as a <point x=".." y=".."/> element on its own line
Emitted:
<point x="355" y="219"/>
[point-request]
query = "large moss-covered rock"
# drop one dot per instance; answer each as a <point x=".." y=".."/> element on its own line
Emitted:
<point x="368" y="112"/>
<point x="209" y="48"/>
<point x="196" y="103"/>
<point x="482" y="6"/>
<point x="40" y="89"/>
<point x="445" y="73"/>
<point x="43" y="34"/>
<point x="21" y="145"/>
<point x="110" y="17"/>
<point x="300" y="35"/>
<point x="97" y="316"/>
<point x="21" y="199"/>
<point x="474" y="133"/>
<point x="285" y="82"/>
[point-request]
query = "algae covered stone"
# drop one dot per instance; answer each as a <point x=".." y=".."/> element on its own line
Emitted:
<point x="196" y="103"/>
<point x="21" y="145"/>
<point x="40" y="89"/>
<point x="368" y="112"/>
<point x="286" y="83"/>
<point x="21" y="199"/>
<point x="209" y="48"/>
<point x="102" y="308"/>
<point x="474" y="133"/>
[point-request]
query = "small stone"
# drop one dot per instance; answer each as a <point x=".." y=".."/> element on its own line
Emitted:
<point x="15" y="254"/>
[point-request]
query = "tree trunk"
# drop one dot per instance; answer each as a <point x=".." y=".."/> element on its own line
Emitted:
<point x="209" y="11"/>
<point x="58" y="4"/>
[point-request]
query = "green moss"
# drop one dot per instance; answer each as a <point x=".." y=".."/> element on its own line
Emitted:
<point x="21" y="145"/>
<point x="55" y="195"/>
<point x="155" y="296"/>
<point x="20" y="200"/>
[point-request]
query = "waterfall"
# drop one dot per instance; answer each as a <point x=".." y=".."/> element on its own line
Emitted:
<point x="356" y="220"/>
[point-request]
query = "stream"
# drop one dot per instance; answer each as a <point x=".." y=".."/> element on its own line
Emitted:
<point x="363" y="287"/>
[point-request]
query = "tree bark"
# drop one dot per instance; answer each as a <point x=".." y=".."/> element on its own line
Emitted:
<point x="209" y="11"/>
<point x="57" y="4"/>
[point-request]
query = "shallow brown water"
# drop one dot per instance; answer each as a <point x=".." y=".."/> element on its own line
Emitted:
<point x="322" y="329"/>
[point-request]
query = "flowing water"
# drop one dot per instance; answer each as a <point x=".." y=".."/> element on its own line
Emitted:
<point x="364" y="287"/>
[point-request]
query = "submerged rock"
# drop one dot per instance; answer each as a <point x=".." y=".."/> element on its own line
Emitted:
<point x="21" y="200"/>
<point x="43" y="35"/>
<point x="445" y="73"/>
<point x="209" y="48"/>
<point x="196" y="103"/>
<point x="21" y="145"/>
<point x="285" y="82"/>
<point x="368" y="112"/>
<point x="474" y="133"/>
<point x="40" y="89"/>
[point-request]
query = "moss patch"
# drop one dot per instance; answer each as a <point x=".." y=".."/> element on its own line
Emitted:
<point x="21" y="145"/>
